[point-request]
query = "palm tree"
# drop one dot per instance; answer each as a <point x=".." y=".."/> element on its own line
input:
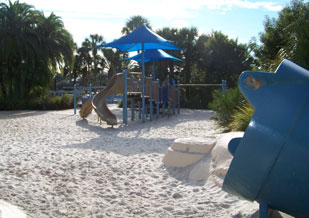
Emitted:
<point x="98" y="64"/>
<point x="17" y="42"/>
<point x="56" y="46"/>
<point x="133" y="23"/>
<point x="113" y="61"/>
<point x="31" y="48"/>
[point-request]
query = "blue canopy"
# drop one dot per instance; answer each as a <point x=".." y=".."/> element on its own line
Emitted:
<point x="153" y="55"/>
<point x="134" y="40"/>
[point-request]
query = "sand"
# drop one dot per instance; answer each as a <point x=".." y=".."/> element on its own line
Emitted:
<point x="55" y="164"/>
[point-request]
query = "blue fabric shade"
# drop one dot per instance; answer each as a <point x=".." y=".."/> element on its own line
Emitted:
<point x="153" y="55"/>
<point x="134" y="40"/>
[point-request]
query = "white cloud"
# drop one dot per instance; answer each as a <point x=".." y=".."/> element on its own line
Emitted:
<point x="168" y="9"/>
<point x="180" y="24"/>
<point x="107" y="17"/>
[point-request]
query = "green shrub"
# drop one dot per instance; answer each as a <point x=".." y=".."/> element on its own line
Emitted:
<point x="36" y="103"/>
<point x="12" y="104"/>
<point x="241" y="118"/>
<point x="225" y="105"/>
<point x="67" y="102"/>
<point x="58" y="102"/>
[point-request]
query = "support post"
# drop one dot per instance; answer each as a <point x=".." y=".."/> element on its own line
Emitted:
<point x="150" y="101"/>
<point x="139" y="102"/>
<point x="178" y="96"/>
<point x="154" y="71"/>
<point x="90" y="90"/>
<point x="158" y="100"/>
<point x="224" y="86"/>
<point x="125" y="98"/>
<point x="132" y="100"/>
<point x="75" y="98"/>
<point x="173" y="104"/>
<point x="163" y="100"/>
<point x="263" y="210"/>
<point x="143" y="86"/>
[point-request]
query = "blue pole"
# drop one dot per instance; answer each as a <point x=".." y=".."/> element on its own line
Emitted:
<point x="173" y="84"/>
<point x="132" y="100"/>
<point x="74" y="98"/>
<point x="151" y="95"/>
<point x="158" y="100"/>
<point x="125" y="98"/>
<point x="163" y="100"/>
<point x="223" y="86"/>
<point x="263" y="210"/>
<point x="178" y="96"/>
<point x="139" y="102"/>
<point x="143" y="81"/>
<point x="90" y="90"/>
<point x="154" y="71"/>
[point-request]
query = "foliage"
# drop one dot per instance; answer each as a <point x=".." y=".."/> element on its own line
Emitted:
<point x="58" y="102"/>
<point x="32" y="47"/>
<point x="225" y="105"/>
<point x="241" y="118"/>
<point x="47" y="102"/>
<point x="285" y="37"/>
<point x="134" y="22"/>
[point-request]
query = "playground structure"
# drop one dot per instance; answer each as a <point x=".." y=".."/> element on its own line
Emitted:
<point x="270" y="163"/>
<point x="164" y="96"/>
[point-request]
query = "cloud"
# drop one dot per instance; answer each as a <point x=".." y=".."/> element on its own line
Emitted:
<point x="180" y="24"/>
<point x="167" y="9"/>
<point x="107" y="17"/>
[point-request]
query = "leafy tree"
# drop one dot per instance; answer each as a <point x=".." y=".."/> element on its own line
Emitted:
<point x="286" y="37"/>
<point x="113" y="61"/>
<point x="170" y="67"/>
<point x="133" y="23"/>
<point x="222" y="58"/>
<point x="31" y="48"/>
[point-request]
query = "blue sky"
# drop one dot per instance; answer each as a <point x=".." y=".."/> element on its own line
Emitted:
<point x="241" y="19"/>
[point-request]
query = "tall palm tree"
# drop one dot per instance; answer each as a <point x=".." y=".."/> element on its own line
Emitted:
<point x="133" y="23"/>
<point x="98" y="64"/>
<point x="18" y="42"/>
<point x="31" y="48"/>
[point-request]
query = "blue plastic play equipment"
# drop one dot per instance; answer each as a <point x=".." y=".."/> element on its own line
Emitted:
<point x="271" y="161"/>
<point x="141" y="39"/>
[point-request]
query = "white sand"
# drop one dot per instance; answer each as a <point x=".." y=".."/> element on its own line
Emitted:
<point x="54" y="164"/>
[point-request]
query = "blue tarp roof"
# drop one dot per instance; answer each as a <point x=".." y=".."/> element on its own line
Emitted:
<point x="134" y="40"/>
<point x="153" y="55"/>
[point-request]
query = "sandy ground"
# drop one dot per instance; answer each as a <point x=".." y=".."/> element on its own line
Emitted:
<point x="54" y="164"/>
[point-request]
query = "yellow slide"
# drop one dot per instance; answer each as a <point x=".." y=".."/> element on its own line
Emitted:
<point x="98" y="103"/>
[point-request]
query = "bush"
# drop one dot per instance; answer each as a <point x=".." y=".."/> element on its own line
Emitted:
<point x="37" y="103"/>
<point x="225" y="105"/>
<point x="241" y="118"/>
<point x="58" y="102"/>
<point x="196" y="97"/>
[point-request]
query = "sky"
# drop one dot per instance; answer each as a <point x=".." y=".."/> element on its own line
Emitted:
<point x="239" y="19"/>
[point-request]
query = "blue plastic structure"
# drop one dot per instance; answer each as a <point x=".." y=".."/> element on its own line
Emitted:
<point x="271" y="161"/>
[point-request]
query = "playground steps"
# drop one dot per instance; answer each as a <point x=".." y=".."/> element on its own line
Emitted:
<point x="186" y="151"/>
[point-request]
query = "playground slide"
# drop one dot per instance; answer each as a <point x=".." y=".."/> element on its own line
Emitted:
<point x="115" y="86"/>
